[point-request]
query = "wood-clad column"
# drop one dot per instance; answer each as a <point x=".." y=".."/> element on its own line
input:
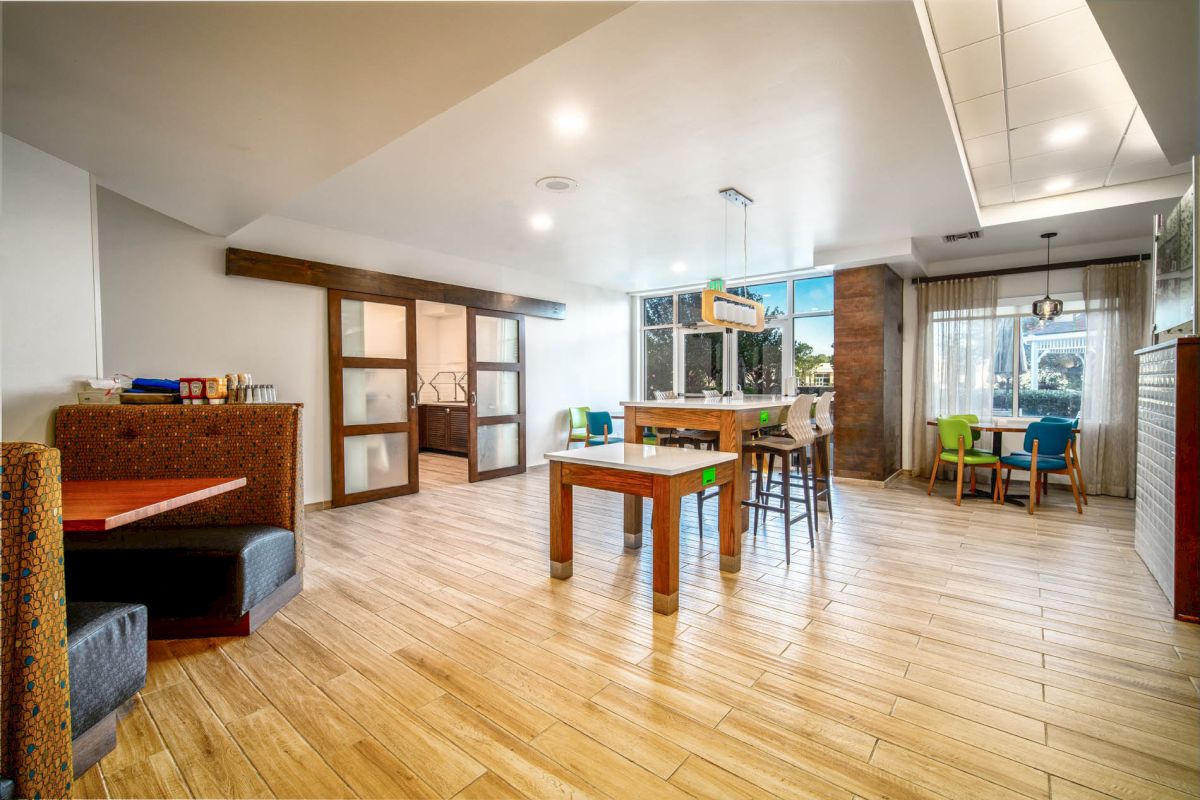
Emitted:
<point x="867" y="320"/>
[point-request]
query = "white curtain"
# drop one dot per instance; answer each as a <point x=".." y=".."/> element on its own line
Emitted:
<point x="1115" y="299"/>
<point x="954" y="360"/>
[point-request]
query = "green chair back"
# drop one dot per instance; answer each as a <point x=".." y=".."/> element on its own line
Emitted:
<point x="578" y="417"/>
<point x="950" y="429"/>
<point x="973" y="419"/>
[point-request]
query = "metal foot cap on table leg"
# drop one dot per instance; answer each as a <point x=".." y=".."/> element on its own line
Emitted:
<point x="633" y="541"/>
<point x="561" y="569"/>
<point x="731" y="563"/>
<point x="666" y="603"/>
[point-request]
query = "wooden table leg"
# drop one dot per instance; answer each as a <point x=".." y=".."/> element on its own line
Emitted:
<point x="731" y="442"/>
<point x="665" y="523"/>
<point x="561" y="511"/>
<point x="633" y="502"/>
<point x="731" y="537"/>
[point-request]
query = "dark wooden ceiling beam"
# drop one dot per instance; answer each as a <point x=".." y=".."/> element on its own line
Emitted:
<point x="252" y="264"/>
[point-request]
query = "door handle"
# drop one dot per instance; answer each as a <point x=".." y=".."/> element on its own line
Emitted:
<point x="472" y="398"/>
<point x="412" y="400"/>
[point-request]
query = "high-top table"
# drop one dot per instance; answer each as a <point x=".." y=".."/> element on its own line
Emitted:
<point x="664" y="474"/>
<point x="732" y="419"/>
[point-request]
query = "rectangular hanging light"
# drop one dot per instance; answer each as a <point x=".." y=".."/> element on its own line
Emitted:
<point x="728" y="310"/>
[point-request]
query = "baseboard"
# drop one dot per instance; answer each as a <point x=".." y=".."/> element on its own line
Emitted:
<point x="248" y="623"/>
<point x="883" y="484"/>
<point x="323" y="505"/>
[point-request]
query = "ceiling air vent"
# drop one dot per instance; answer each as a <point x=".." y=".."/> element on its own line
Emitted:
<point x="954" y="237"/>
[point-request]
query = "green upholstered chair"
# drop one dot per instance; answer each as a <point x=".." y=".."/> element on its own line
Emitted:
<point x="953" y="435"/>
<point x="577" y="425"/>
<point x="600" y="428"/>
<point x="1045" y="453"/>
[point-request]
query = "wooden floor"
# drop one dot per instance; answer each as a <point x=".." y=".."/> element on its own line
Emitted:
<point x="923" y="650"/>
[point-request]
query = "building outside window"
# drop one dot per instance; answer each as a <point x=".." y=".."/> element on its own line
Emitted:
<point x="681" y="353"/>
<point x="1047" y="359"/>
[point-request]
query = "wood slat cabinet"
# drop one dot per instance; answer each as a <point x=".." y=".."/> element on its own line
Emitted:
<point x="443" y="427"/>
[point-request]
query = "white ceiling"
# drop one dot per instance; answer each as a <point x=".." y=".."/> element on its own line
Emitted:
<point x="215" y="113"/>
<point x="1042" y="106"/>
<point x="833" y="135"/>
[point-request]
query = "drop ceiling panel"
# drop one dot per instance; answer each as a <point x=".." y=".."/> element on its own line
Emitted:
<point x="995" y="195"/>
<point x="1059" y="184"/>
<point x="957" y="23"/>
<point x="1139" y="145"/>
<point x="987" y="149"/>
<point x="1086" y="130"/>
<point x="1145" y="170"/>
<point x="1069" y="93"/>
<point x="1061" y="162"/>
<point x="974" y="70"/>
<point x="1051" y="47"/>
<point x="981" y="116"/>
<point x="991" y="175"/>
<point x="1019" y="13"/>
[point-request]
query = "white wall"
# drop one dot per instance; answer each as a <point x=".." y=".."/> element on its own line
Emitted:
<point x="170" y="309"/>
<point x="1028" y="284"/>
<point x="48" y="291"/>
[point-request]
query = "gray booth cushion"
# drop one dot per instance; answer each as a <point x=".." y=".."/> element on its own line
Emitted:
<point x="106" y="653"/>
<point x="181" y="572"/>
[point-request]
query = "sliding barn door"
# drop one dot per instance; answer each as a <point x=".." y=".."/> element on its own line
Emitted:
<point x="496" y="394"/>
<point x="372" y="396"/>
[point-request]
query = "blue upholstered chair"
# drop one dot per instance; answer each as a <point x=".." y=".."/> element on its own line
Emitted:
<point x="600" y="428"/>
<point x="1045" y="453"/>
<point x="1072" y="456"/>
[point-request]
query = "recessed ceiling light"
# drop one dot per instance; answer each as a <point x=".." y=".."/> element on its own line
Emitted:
<point x="1066" y="134"/>
<point x="1058" y="184"/>
<point x="541" y="222"/>
<point x="557" y="183"/>
<point x="570" y="122"/>
<point x="679" y="266"/>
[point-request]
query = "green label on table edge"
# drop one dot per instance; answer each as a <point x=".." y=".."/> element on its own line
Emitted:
<point x="764" y="416"/>
<point x="708" y="477"/>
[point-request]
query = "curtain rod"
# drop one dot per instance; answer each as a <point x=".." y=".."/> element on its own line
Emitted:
<point x="1038" y="268"/>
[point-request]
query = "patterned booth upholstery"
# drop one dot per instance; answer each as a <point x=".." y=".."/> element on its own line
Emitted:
<point x="65" y="668"/>
<point x="217" y="567"/>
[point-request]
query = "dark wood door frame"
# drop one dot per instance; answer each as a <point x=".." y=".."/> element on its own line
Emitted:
<point x="267" y="266"/>
<point x="338" y="431"/>
<point x="473" y="367"/>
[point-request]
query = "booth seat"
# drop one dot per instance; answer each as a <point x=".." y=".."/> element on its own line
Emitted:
<point x="219" y="567"/>
<point x="68" y="667"/>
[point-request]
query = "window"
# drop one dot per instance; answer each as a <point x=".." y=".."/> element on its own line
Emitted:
<point x="812" y="331"/>
<point x="680" y="352"/>
<point x="1046" y="359"/>
<point x="658" y="358"/>
<point x="658" y="311"/>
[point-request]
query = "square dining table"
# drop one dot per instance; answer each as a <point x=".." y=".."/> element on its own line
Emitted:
<point x="104" y="505"/>
<point x="732" y="418"/>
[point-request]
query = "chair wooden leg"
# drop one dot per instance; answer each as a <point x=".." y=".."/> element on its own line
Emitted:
<point x="972" y="480"/>
<point x="958" y="480"/>
<point x="1074" y="489"/>
<point x="1003" y="484"/>
<point x="933" y="474"/>
<point x="1078" y="468"/>
<point x="1035" y="486"/>
<point x="996" y="483"/>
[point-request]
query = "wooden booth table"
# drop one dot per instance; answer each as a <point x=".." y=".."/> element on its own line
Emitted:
<point x="732" y="419"/>
<point x="664" y="474"/>
<point x="104" y="505"/>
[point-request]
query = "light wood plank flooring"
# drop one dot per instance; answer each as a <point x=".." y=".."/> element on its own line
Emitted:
<point x="923" y="650"/>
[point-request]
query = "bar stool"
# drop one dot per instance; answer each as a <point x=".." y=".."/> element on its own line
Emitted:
<point x="821" y="480"/>
<point x="801" y="436"/>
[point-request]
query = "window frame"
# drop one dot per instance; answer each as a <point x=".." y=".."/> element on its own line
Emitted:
<point x="730" y="355"/>
<point x="1016" y="309"/>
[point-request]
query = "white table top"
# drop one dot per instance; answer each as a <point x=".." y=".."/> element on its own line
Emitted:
<point x="750" y="402"/>
<point x="643" y="458"/>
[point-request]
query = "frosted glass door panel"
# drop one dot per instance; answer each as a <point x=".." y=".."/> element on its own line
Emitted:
<point x="498" y="446"/>
<point x="498" y="393"/>
<point x="376" y="461"/>
<point x="373" y="330"/>
<point x="496" y="339"/>
<point x="371" y="396"/>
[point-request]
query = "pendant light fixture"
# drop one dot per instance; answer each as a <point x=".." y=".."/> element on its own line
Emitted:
<point x="1047" y="308"/>
<point x="726" y="309"/>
